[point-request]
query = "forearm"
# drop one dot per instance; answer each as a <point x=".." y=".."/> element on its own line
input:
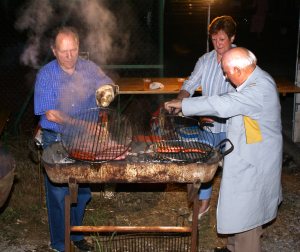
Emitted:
<point x="66" y="120"/>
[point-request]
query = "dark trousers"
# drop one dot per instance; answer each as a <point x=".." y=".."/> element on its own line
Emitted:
<point x="55" y="200"/>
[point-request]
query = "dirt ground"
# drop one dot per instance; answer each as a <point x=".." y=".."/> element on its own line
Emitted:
<point x="24" y="226"/>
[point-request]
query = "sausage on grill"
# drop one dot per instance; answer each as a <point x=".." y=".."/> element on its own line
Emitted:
<point x="177" y="149"/>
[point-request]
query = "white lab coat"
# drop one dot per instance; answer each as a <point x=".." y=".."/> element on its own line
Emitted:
<point x="250" y="190"/>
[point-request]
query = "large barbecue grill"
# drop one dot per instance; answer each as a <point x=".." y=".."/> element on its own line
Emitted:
<point x="98" y="146"/>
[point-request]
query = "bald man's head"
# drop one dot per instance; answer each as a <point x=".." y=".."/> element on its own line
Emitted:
<point x="238" y="63"/>
<point x="239" y="57"/>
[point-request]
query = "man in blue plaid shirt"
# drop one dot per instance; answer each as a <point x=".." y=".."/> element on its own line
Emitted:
<point x="63" y="87"/>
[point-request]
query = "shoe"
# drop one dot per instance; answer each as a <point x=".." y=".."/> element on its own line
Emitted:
<point x="199" y="215"/>
<point x="83" y="246"/>
<point x="221" y="249"/>
<point x="109" y="191"/>
<point x="55" y="250"/>
<point x="108" y="195"/>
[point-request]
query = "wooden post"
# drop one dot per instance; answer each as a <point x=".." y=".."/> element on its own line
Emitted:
<point x="194" y="234"/>
<point x="67" y="223"/>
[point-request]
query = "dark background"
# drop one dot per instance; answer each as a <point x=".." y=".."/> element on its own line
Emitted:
<point x="184" y="42"/>
<point x="276" y="48"/>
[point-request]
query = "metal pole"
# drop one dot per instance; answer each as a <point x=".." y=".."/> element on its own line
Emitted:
<point x="208" y="22"/>
<point x="296" y="124"/>
<point x="161" y="37"/>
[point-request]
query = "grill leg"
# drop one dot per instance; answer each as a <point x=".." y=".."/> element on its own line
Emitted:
<point x="73" y="190"/>
<point x="67" y="223"/>
<point x="70" y="199"/>
<point x="194" y="188"/>
<point x="195" y="224"/>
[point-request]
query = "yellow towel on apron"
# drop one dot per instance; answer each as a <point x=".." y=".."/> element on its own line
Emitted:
<point x="253" y="133"/>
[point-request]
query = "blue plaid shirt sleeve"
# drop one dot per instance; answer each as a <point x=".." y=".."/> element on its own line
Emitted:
<point x="43" y="95"/>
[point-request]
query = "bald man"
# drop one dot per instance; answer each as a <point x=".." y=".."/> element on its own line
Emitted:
<point x="250" y="190"/>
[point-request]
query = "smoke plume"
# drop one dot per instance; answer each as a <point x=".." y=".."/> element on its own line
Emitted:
<point x="100" y="33"/>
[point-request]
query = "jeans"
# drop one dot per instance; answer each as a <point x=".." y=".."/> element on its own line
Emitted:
<point x="206" y="188"/>
<point x="55" y="200"/>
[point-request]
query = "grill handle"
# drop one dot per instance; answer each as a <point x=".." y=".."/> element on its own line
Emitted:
<point x="227" y="151"/>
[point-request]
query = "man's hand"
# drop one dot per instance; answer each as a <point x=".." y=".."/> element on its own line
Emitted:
<point x="56" y="116"/>
<point x="206" y="120"/>
<point x="106" y="94"/>
<point x="183" y="94"/>
<point x="173" y="106"/>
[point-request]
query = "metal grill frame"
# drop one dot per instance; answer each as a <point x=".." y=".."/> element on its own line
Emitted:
<point x="128" y="172"/>
<point x="97" y="135"/>
<point x="182" y="139"/>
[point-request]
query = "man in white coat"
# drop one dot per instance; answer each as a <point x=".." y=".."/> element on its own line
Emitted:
<point x="250" y="190"/>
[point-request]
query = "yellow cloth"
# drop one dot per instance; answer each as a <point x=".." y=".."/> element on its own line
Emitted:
<point x="253" y="133"/>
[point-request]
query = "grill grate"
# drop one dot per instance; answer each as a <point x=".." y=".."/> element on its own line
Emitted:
<point x="97" y="135"/>
<point x="181" y="139"/>
<point x="147" y="242"/>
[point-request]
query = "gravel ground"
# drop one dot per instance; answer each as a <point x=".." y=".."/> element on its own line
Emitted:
<point x="284" y="233"/>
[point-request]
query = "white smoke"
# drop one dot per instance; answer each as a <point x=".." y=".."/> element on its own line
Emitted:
<point x="103" y="38"/>
<point x="34" y="19"/>
<point x="31" y="53"/>
<point x="102" y="32"/>
<point x="35" y="16"/>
